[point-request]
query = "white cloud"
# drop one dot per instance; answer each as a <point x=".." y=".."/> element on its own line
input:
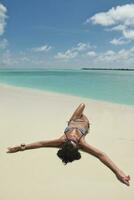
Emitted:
<point x="67" y="55"/>
<point x="109" y="53"/>
<point x="120" y="18"/>
<point x="91" y="53"/>
<point x="109" y="58"/>
<point x="24" y="59"/>
<point x="3" y="16"/>
<point x="82" y="47"/>
<point x="118" y="41"/>
<point x="121" y="57"/>
<point x="3" y="44"/>
<point x="129" y="34"/>
<point x="118" y="28"/>
<point x="101" y="18"/>
<point x="74" y="51"/>
<point x="118" y="15"/>
<point x="44" y="48"/>
<point x="7" y="59"/>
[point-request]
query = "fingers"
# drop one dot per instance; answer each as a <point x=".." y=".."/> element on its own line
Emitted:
<point x="126" y="180"/>
<point x="12" y="149"/>
<point x="8" y="150"/>
<point x="127" y="183"/>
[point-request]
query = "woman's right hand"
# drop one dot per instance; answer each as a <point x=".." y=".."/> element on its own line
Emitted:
<point x="13" y="149"/>
<point x="123" y="178"/>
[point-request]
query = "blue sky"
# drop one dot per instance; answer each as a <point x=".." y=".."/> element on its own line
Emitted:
<point x="66" y="34"/>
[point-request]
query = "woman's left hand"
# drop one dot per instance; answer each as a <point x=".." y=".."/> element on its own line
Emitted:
<point x="13" y="149"/>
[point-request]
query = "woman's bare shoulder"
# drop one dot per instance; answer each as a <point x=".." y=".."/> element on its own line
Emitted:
<point x="82" y="143"/>
<point x="62" y="138"/>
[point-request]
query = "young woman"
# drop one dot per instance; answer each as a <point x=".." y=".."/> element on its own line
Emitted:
<point x="72" y="141"/>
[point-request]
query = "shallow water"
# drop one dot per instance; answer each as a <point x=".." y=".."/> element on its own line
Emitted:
<point x="113" y="86"/>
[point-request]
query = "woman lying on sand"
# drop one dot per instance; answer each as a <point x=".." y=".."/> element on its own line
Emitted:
<point x="72" y="141"/>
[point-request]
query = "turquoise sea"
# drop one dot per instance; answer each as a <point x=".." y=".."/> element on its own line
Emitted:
<point x="112" y="86"/>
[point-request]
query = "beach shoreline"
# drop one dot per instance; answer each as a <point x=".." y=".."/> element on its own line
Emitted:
<point x="40" y="91"/>
<point x="29" y="115"/>
<point x="110" y="86"/>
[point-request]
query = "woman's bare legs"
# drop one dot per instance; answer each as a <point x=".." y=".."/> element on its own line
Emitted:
<point x="78" y="112"/>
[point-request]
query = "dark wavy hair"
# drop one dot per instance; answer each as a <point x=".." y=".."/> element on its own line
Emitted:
<point x="68" y="153"/>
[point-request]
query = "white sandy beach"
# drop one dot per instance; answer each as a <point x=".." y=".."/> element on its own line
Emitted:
<point x="28" y="115"/>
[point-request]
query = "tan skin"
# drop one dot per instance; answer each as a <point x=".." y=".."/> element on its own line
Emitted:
<point x="82" y="145"/>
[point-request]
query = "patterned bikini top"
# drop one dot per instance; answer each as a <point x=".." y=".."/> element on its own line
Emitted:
<point x="83" y="132"/>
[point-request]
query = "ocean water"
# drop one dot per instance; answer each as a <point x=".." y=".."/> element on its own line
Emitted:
<point x="112" y="86"/>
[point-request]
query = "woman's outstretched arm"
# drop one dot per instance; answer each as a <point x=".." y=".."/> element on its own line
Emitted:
<point x="35" y="145"/>
<point x="107" y="161"/>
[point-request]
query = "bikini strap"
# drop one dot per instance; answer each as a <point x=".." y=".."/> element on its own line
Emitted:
<point x="66" y="135"/>
<point x="80" y="138"/>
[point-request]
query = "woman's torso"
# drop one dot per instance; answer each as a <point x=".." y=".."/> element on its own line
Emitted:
<point x="77" y="129"/>
<point x="79" y="123"/>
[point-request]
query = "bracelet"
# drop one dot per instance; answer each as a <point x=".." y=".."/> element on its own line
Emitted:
<point x="22" y="147"/>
